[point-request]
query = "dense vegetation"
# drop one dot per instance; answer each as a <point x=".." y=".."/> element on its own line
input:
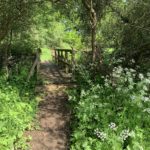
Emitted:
<point x="111" y="103"/>
<point x="17" y="109"/>
<point x="112" y="112"/>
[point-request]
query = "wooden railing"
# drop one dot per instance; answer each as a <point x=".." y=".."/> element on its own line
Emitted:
<point x="65" y="58"/>
<point x="36" y="64"/>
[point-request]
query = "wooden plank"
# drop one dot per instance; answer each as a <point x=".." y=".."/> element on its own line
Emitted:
<point x="73" y="62"/>
<point x="66" y="63"/>
<point x="67" y="50"/>
<point x="32" y="69"/>
<point x="55" y="56"/>
<point x="35" y="66"/>
<point x="58" y="58"/>
<point x="66" y="58"/>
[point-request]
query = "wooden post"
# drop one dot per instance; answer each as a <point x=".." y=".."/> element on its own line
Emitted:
<point x="38" y="62"/>
<point x="35" y="66"/>
<point x="55" y="56"/>
<point x="61" y="59"/>
<point x="66" y="58"/>
<point x="58" y="58"/>
<point x="73" y="60"/>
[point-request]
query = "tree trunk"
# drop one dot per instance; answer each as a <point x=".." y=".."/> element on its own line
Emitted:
<point x="93" y="43"/>
<point x="93" y="21"/>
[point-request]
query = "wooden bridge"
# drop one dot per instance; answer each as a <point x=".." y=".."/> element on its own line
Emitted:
<point x="65" y="58"/>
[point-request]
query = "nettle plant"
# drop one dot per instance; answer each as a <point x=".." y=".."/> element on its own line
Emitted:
<point x="114" y="114"/>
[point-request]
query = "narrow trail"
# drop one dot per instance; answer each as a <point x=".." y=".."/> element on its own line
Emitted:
<point x="53" y="115"/>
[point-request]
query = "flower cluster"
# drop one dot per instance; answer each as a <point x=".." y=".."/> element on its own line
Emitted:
<point x="100" y="135"/>
<point x="147" y="110"/>
<point x="117" y="71"/>
<point x="133" y="97"/>
<point x="141" y="76"/>
<point x="132" y="61"/>
<point x="112" y="126"/>
<point x="125" y="134"/>
<point x="146" y="99"/>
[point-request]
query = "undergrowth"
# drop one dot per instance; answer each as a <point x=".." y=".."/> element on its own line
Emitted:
<point x="112" y="112"/>
<point x="17" y="109"/>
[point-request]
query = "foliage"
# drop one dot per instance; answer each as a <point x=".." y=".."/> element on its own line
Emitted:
<point x="53" y="29"/>
<point x="46" y="54"/>
<point x="124" y="28"/>
<point x="15" y="15"/>
<point x="111" y="102"/>
<point x="23" y="48"/>
<point x="17" y="109"/>
<point x="113" y="113"/>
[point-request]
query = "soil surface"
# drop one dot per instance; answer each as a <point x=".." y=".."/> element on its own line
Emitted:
<point x="53" y="115"/>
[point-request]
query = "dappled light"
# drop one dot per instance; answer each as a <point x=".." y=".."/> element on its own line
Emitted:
<point x="74" y="74"/>
<point x="53" y="119"/>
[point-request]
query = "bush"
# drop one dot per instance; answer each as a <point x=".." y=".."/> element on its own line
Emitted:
<point x="24" y="48"/>
<point x="113" y="114"/>
<point x="16" y="112"/>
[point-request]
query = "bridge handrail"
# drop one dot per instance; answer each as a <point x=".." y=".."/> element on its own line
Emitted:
<point x="35" y="66"/>
<point x="65" y="58"/>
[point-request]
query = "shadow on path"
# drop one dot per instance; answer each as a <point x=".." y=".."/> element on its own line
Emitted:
<point x="53" y="114"/>
<point x="53" y="74"/>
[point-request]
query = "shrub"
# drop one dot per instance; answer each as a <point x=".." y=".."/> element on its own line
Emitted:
<point x="113" y="114"/>
<point x="24" y="48"/>
<point x="16" y="112"/>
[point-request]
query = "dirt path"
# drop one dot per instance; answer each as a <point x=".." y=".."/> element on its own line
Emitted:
<point x="53" y="115"/>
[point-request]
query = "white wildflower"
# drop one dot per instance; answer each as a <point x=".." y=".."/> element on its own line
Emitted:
<point x="100" y="135"/>
<point x="146" y="99"/>
<point x="128" y="73"/>
<point x="130" y="87"/>
<point x="145" y="88"/>
<point x="95" y="96"/>
<point x="141" y="76"/>
<point x="147" y="81"/>
<point x="125" y="134"/>
<point x="112" y="126"/>
<point x="147" y="110"/>
<point x="132" y="70"/>
<point x="133" y="97"/>
<point x="106" y="84"/>
<point x="148" y="74"/>
<point x="142" y="92"/>
<point x="132" y="60"/>
<point x="130" y="80"/>
<point x="118" y="89"/>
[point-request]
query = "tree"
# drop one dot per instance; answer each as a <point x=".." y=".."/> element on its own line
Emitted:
<point x="12" y="14"/>
<point x="95" y="10"/>
<point x="89" y="12"/>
